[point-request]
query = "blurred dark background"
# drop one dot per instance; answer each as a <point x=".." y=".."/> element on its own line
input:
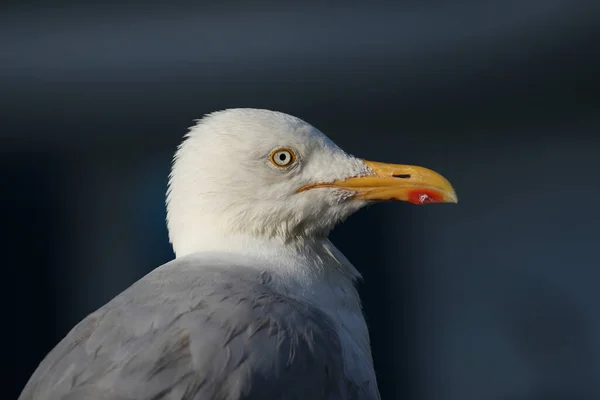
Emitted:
<point x="496" y="298"/>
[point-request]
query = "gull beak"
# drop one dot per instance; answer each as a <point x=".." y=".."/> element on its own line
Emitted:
<point x="416" y="185"/>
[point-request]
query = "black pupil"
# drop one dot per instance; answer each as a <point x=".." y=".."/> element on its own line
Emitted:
<point x="282" y="156"/>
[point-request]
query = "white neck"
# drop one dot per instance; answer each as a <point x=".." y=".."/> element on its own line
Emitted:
<point x="303" y="260"/>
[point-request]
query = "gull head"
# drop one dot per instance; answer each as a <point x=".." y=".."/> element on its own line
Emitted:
<point x="269" y="174"/>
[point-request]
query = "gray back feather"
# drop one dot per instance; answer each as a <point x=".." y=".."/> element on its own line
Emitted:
<point x="196" y="332"/>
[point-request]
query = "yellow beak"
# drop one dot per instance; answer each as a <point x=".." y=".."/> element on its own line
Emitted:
<point x="410" y="183"/>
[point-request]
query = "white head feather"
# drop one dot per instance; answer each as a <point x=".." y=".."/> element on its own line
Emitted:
<point x="223" y="183"/>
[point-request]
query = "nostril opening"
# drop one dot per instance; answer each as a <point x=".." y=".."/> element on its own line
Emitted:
<point x="403" y="176"/>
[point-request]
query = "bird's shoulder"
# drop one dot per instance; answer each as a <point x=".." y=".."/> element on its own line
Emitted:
<point x="185" y="331"/>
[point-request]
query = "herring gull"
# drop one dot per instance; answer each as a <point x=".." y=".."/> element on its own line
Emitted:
<point x="258" y="304"/>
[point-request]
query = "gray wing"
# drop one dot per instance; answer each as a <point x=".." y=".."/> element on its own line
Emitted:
<point x="196" y="333"/>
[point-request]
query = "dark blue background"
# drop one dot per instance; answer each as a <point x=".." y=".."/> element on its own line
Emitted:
<point x="495" y="298"/>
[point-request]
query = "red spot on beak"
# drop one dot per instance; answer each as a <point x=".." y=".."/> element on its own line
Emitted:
<point x="424" y="196"/>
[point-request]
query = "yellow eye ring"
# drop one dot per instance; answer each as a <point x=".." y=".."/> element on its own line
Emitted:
<point x="282" y="157"/>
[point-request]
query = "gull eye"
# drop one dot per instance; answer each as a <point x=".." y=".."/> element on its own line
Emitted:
<point x="282" y="158"/>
